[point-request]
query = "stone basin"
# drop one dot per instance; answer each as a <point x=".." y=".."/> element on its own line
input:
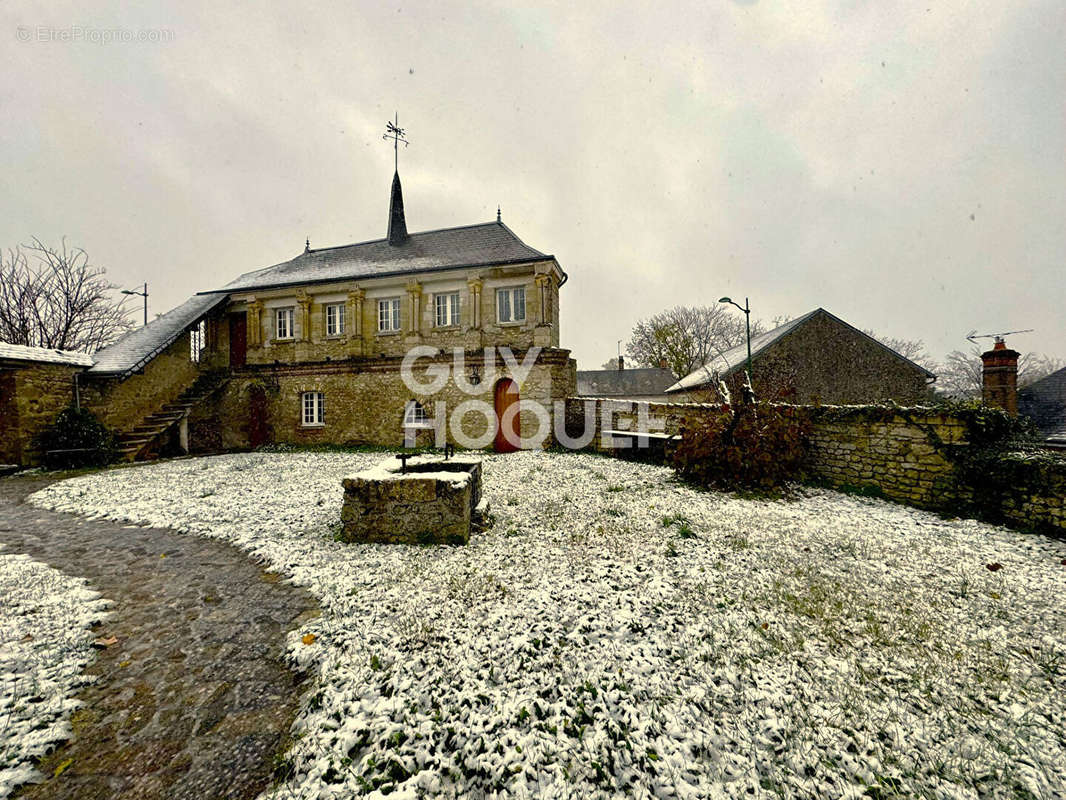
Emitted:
<point x="433" y="502"/>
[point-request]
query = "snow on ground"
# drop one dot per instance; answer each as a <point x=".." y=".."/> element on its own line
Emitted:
<point x="617" y="632"/>
<point x="44" y="644"/>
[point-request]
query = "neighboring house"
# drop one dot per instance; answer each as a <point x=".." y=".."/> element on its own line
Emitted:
<point x="35" y="385"/>
<point x="1045" y="403"/>
<point x="816" y="358"/>
<point x="646" y="383"/>
<point x="311" y="350"/>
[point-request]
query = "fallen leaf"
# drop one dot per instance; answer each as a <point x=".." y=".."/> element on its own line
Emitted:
<point x="995" y="565"/>
<point x="124" y="664"/>
<point x="102" y="642"/>
<point x="62" y="767"/>
<point x="308" y="638"/>
<point x="994" y="595"/>
<point x="765" y="625"/>
<point x="29" y="636"/>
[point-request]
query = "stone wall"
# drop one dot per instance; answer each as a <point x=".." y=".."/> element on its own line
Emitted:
<point x="914" y="456"/>
<point x="122" y="403"/>
<point x="364" y="400"/>
<point x="31" y="398"/>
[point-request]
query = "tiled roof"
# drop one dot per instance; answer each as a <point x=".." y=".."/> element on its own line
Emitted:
<point x="487" y="244"/>
<point x="736" y="358"/>
<point x="1045" y="402"/>
<point x="19" y="352"/>
<point x="623" y="382"/>
<point x="140" y="345"/>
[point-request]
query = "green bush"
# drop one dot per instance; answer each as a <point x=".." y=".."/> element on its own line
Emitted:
<point x="76" y="439"/>
<point x="757" y="446"/>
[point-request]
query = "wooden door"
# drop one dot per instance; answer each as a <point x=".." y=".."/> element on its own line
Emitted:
<point x="238" y="339"/>
<point x="506" y="396"/>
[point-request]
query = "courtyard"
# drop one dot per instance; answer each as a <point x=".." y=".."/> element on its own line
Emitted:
<point x="616" y="632"/>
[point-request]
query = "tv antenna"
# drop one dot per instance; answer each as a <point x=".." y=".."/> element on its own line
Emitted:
<point x="973" y="336"/>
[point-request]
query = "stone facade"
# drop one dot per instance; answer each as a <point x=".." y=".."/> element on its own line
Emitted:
<point x="121" y="403"/>
<point x="476" y="327"/>
<point x="825" y="360"/>
<point x="433" y="502"/>
<point x="365" y="399"/>
<point x="31" y="396"/>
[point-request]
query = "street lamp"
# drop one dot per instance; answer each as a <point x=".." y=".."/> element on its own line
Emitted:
<point x="143" y="294"/>
<point x="747" y="324"/>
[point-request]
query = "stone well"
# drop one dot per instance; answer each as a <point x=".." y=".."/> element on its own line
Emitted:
<point x="433" y="502"/>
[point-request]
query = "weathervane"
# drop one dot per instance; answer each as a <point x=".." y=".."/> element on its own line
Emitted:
<point x="396" y="133"/>
<point x="973" y="336"/>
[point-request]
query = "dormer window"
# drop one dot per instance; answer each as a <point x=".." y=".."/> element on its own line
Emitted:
<point x="283" y="322"/>
<point x="511" y="304"/>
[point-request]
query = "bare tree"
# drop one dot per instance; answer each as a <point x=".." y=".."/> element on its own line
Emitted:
<point x="53" y="297"/>
<point x="912" y="349"/>
<point x="684" y="338"/>
<point x="961" y="374"/>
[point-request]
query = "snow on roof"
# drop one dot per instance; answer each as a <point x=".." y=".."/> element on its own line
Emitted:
<point x="736" y="358"/>
<point x="19" y="352"/>
<point x="449" y="248"/>
<point x="139" y="346"/>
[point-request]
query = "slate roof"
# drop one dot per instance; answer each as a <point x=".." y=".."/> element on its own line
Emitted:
<point x="19" y="352"/>
<point x="735" y="359"/>
<point x="1045" y="402"/>
<point x="623" y="382"/>
<point x="482" y="245"/>
<point x="141" y="345"/>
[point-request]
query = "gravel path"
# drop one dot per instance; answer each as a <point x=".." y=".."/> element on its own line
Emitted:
<point x="195" y="699"/>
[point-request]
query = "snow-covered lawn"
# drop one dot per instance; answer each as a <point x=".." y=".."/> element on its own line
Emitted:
<point x="44" y="644"/>
<point x="616" y="632"/>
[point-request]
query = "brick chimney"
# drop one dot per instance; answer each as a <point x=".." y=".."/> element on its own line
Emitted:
<point x="1000" y="377"/>
<point x="621" y="363"/>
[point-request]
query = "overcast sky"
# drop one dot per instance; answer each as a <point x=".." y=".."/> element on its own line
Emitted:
<point x="903" y="167"/>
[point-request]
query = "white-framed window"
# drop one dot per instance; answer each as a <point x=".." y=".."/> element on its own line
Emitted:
<point x="447" y="309"/>
<point x="312" y="409"/>
<point x="334" y="319"/>
<point x="283" y="322"/>
<point x="388" y="314"/>
<point x="511" y="304"/>
<point x="414" y="416"/>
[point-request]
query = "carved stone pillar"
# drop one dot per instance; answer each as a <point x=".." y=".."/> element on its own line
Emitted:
<point x="474" y="315"/>
<point x="255" y="325"/>
<point x="354" y="323"/>
<point x="414" y="308"/>
<point x="304" y="302"/>
<point x="544" y="283"/>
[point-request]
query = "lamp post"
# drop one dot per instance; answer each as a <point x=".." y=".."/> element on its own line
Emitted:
<point x="747" y="325"/>
<point x="143" y="294"/>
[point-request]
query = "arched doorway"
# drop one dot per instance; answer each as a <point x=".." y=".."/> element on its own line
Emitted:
<point x="506" y="396"/>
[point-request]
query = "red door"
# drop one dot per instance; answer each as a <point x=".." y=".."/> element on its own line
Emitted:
<point x="506" y="396"/>
<point x="238" y="339"/>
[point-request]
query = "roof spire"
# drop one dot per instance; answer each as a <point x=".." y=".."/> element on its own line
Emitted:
<point x="307" y="245"/>
<point x="397" y="223"/>
<point x="498" y="214"/>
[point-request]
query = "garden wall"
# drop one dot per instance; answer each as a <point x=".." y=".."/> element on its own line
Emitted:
<point x="918" y="456"/>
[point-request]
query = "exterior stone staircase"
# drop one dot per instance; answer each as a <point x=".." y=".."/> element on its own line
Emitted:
<point x="146" y="438"/>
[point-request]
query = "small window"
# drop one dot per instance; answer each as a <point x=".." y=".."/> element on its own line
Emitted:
<point x="283" y="322"/>
<point x="414" y="416"/>
<point x="447" y="308"/>
<point x="313" y="410"/>
<point x="389" y="315"/>
<point x="335" y="319"/>
<point x="511" y="304"/>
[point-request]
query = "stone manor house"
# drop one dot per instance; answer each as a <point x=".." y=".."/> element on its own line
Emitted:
<point x="309" y="351"/>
